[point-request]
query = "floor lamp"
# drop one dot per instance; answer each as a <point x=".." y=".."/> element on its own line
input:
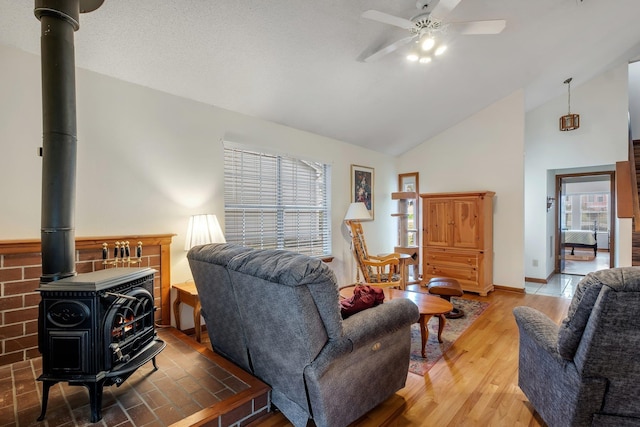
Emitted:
<point x="357" y="212"/>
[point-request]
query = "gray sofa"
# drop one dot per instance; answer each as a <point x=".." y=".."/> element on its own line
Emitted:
<point x="586" y="372"/>
<point x="276" y="314"/>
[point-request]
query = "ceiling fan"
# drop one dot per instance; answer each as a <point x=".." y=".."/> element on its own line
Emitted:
<point x="425" y="28"/>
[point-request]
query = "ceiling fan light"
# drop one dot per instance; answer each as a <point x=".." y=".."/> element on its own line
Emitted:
<point x="428" y="43"/>
<point x="440" y="50"/>
<point x="425" y="60"/>
<point x="412" y="57"/>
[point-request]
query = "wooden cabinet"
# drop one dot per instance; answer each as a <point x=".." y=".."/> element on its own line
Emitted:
<point x="457" y="238"/>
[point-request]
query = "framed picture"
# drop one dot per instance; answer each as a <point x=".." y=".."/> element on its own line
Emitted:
<point x="408" y="182"/>
<point x="362" y="186"/>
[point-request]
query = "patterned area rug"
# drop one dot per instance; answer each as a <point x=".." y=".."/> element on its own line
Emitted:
<point x="452" y="330"/>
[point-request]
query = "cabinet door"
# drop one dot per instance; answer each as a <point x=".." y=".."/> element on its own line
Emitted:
<point x="437" y="222"/>
<point x="466" y="223"/>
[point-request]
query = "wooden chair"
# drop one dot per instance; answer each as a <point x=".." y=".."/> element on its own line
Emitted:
<point x="382" y="271"/>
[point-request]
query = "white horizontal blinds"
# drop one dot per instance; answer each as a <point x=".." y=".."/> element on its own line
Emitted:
<point x="275" y="201"/>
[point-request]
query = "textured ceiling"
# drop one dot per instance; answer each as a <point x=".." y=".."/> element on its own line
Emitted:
<point x="296" y="62"/>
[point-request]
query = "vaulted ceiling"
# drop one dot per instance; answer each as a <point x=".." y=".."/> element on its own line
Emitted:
<point x="299" y="62"/>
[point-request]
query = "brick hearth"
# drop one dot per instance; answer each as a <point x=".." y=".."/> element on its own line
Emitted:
<point x="193" y="386"/>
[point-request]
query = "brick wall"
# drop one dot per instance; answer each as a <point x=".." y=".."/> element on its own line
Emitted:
<point x="20" y="271"/>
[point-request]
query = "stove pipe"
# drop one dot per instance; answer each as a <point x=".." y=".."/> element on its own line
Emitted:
<point x="59" y="19"/>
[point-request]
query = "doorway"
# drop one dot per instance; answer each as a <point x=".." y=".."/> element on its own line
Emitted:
<point x="584" y="222"/>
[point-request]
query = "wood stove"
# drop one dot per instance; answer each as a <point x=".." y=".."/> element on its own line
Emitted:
<point x="96" y="329"/>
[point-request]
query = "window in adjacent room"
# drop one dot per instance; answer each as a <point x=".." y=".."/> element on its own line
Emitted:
<point x="584" y="210"/>
<point x="274" y="201"/>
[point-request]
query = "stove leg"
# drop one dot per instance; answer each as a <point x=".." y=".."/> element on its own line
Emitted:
<point x="95" y="399"/>
<point x="153" y="360"/>
<point x="45" y="397"/>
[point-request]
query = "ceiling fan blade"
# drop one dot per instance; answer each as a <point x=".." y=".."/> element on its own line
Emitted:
<point x="443" y="8"/>
<point x="494" y="26"/>
<point x="385" y="18"/>
<point x="389" y="48"/>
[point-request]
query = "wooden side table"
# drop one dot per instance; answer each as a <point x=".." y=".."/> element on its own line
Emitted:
<point x="188" y="294"/>
<point x="403" y="267"/>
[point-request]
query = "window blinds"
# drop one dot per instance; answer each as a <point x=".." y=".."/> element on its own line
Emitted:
<point x="276" y="202"/>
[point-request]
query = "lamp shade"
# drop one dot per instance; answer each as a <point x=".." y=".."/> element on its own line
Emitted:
<point x="203" y="229"/>
<point x="357" y="212"/>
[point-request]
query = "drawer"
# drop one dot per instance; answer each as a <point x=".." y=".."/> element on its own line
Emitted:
<point x="445" y="257"/>
<point x="461" y="273"/>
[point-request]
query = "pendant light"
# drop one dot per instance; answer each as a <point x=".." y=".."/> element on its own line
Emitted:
<point x="569" y="121"/>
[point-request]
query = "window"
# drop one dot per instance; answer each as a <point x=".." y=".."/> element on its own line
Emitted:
<point x="276" y="202"/>
<point x="586" y="211"/>
<point x="594" y="210"/>
<point x="568" y="213"/>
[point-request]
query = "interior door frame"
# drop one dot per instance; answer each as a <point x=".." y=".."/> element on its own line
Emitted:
<point x="612" y="214"/>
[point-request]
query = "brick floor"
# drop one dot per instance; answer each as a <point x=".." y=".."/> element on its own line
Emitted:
<point x="192" y="385"/>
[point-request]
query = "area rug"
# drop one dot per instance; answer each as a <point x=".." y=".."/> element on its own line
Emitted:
<point x="584" y="256"/>
<point x="452" y="330"/>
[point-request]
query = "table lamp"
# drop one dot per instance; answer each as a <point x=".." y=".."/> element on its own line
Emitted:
<point x="203" y="229"/>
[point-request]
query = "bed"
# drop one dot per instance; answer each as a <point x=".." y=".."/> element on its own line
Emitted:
<point x="580" y="239"/>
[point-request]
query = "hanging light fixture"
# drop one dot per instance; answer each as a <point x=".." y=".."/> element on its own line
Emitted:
<point x="569" y="121"/>
<point x="426" y="48"/>
<point x="428" y="43"/>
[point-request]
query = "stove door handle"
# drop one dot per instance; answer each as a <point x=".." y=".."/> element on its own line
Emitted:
<point x="118" y="352"/>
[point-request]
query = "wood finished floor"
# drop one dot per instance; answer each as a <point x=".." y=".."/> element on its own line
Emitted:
<point x="475" y="383"/>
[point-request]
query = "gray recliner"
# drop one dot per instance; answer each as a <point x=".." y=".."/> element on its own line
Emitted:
<point x="586" y="372"/>
<point x="276" y="314"/>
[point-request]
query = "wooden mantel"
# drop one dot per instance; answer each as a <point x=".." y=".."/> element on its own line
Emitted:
<point x="27" y="246"/>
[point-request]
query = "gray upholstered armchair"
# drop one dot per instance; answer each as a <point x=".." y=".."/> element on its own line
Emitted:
<point x="276" y="314"/>
<point x="586" y="372"/>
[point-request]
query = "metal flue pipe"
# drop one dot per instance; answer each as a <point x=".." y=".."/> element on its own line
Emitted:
<point x="59" y="20"/>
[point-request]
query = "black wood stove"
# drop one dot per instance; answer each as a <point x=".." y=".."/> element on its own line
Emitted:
<point x="96" y="329"/>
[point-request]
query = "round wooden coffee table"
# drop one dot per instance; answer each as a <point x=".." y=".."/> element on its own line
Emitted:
<point x="428" y="305"/>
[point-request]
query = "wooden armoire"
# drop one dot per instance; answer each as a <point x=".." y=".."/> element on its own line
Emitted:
<point x="457" y="239"/>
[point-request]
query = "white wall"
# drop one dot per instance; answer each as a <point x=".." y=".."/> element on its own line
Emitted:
<point x="634" y="98"/>
<point x="20" y="136"/>
<point x="148" y="160"/>
<point x="601" y="140"/>
<point x="483" y="152"/>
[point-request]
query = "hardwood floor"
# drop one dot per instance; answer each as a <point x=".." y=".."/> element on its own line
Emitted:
<point x="476" y="382"/>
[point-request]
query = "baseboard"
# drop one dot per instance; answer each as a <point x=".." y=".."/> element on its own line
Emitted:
<point x="508" y="288"/>
<point x="535" y="280"/>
